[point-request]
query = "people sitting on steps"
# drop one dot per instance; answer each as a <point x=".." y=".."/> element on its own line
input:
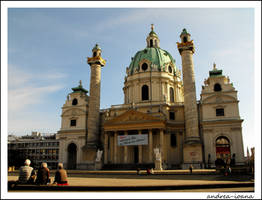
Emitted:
<point x="26" y="173"/>
<point x="61" y="175"/>
<point x="43" y="175"/>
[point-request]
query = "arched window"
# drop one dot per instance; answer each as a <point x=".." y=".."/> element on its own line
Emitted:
<point x="171" y="94"/>
<point x="151" y="43"/>
<point x="145" y="95"/>
<point x="185" y="39"/>
<point x="94" y="54"/>
<point x="74" y="102"/>
<point x="217" y="87"/>
<point x="144" y="66"/>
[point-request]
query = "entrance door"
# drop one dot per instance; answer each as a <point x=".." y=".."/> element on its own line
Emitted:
<point x="71" y="159"/>
<point x="136" y="154"/>
<point x="223" y="148"/>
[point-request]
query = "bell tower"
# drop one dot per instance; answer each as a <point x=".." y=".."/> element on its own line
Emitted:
<point x="192" y="142"/>
<point x="92" y="138"/>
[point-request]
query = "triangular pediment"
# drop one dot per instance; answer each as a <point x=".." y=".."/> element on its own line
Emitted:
<point x="133" y="116"/>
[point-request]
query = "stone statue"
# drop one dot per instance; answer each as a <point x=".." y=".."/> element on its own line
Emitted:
<point x="157" y="153"/>
<point x="99" y="155"/>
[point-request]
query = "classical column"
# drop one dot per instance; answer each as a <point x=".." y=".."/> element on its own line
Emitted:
<point x="139" y="150"/>
<point x="161" y="138"/>
<point x="115" y="147"/>
<point x="150" y="145"/>
<point x="186" y="49"/>
<point x="125" y="151"/>
<point x="192" y="143"/>
<point x="95" y="62"/>
<point x="106" y="148"/>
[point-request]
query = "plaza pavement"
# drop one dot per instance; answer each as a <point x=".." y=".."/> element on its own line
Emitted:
<point x="130" y="181"/>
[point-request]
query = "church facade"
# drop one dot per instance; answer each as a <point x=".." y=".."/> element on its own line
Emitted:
<point x="160" y="123"/>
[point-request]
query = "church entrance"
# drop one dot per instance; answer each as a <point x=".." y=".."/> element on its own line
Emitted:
<point x="223" y="148"/>
<point x="71" y="158"/>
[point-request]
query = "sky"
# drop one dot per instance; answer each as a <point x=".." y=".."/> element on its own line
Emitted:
<point x="47" y="49"/>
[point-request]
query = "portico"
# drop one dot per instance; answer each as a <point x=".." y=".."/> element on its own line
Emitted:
<point x="134" y="123"/>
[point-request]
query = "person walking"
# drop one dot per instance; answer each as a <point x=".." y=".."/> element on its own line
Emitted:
<point x="43" y="175"/>
<point x="191" y="169"/>
<point x="61" y="175"/>
<point x="26" y="173"/>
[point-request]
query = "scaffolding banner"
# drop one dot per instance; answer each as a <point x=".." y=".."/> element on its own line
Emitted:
<point x="127" y="140"/>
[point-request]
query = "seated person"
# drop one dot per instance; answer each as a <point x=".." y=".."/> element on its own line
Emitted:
<point x="43" y="175"/>
<point x="61" y="175"/>
<point x="26" y="173"/>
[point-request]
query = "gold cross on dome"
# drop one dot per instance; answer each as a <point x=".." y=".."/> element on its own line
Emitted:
<point x="152" y="27"/>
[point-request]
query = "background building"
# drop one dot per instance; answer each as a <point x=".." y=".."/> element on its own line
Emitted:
<point x="37" y="147"/>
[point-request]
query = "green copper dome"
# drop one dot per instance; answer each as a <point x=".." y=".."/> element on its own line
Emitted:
<point x="158" y="58"/>
<point x="152" y="33"/>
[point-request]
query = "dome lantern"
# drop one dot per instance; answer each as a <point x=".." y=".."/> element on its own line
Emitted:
<point x="152" y="39"/>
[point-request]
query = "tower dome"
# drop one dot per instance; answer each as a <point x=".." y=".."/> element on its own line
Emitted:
<point x="152" y="58"/>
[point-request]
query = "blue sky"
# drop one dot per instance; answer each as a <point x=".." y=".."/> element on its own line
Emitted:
<point x="47" y="50"/>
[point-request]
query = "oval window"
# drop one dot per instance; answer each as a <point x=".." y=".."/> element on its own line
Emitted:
<point x="217" y="87"/>
<point x="170" y="69"/>
<point x="74" y="102"/>
<point x="144" y="66"/>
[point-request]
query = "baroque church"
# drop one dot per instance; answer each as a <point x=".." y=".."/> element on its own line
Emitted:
<point x="160" y="124"/>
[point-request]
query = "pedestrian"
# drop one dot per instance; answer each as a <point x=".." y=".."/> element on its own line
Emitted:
<point x="26" y="173"/>
<point x="43" y="174"/>
<point x="191" y="169"/>
<point x="61" y="175"/>
<point x="148" y="171"/>
<point x="227" y="170"/>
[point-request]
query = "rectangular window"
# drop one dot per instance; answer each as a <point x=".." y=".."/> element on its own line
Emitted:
<point x="220" y="112"/>
<point x="172" y="115"/>
<point x="73" y="122"/>
<point x="173" y="140"/>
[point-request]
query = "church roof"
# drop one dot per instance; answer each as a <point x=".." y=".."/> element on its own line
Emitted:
<point x="79" y="88"/>
<point x="215" y="72"/>
<point x="157" y="56"/>
<point x="152" y="33"/>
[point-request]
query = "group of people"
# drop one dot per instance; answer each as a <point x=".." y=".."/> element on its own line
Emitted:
<point x="28" y="175"/>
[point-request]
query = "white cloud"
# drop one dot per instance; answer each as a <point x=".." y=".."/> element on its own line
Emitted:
<point x="20" y="98"/>
<point x="17" y="77"/>
<point x="24" y="89"/>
